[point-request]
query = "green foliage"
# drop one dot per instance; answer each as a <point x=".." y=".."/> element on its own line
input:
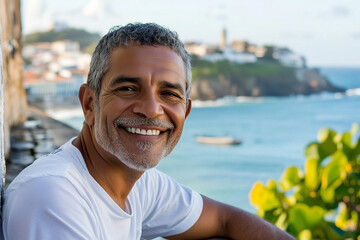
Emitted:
<point x="323" y="201"/>
<point x="84" y="38"/>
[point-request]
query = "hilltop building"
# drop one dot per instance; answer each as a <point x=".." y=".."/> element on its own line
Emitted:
<point x="232" y="56"/>
<point x="223" y="42"/>
<point x="200" y="49"/>
<point x="241" y="51"/>
<point x="237" y="54"/>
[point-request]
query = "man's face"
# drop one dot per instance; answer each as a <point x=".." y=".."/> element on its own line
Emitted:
<point x="141" y="108"/>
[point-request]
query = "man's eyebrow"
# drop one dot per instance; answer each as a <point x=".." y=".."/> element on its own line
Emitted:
<point x="176" y="86"/>
<point x="122" y="79"/>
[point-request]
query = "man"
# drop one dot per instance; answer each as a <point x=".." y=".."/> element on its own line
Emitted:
<point x="102" y="184"/>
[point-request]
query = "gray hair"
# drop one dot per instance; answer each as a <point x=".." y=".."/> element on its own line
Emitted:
<point x="148" y="34"/>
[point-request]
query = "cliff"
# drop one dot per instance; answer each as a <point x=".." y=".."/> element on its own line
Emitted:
<point x="212" y="80"/>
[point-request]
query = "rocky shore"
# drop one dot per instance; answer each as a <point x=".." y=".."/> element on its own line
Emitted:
<point x="39" y="135"/>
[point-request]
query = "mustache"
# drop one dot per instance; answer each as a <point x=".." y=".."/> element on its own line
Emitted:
<point x="135" y="121"/>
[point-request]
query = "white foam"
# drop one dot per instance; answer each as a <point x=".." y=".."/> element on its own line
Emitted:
<point x="353" y="92"/>
<point x="226" y="101"/>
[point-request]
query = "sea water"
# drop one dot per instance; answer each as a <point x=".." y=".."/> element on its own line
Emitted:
<point x="274" y="133"/>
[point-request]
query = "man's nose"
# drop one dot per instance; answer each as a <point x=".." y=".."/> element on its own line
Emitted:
<point x="148" y="106"/>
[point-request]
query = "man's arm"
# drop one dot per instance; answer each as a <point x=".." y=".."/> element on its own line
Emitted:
<point x="221" y="220"/>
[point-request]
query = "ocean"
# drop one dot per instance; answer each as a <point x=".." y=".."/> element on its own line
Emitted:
<point x="274" y="133"/>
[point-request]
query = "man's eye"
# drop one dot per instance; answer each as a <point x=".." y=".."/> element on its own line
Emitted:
<point x="126" y="89"/>
<point x="171" y="94"/>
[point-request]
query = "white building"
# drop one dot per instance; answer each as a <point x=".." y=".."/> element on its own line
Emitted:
<point x="60" y="47"/>
<point x="230" y="55"/>
<point x="199" y="49"/>
<point x="289" y="58"/>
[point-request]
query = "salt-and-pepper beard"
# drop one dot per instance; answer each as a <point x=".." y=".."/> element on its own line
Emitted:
<point x="113" y="145"/>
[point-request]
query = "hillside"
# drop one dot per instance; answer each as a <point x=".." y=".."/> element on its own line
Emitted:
<point x="213" y="80"/>
<point x="84" y="38"/>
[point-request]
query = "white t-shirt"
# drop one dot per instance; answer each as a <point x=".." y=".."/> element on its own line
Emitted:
<point x="57" y="198"/>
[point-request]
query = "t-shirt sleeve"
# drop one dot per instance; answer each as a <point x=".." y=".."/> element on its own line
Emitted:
<point x="172" y="207"/>
<point x="47" y="208"/>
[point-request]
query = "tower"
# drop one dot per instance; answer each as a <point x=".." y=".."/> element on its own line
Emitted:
<point x="223" y="38"/>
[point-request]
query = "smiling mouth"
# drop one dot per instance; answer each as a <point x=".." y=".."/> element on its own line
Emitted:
<point x="144" y="127"/>
<point x="146" y="132"/>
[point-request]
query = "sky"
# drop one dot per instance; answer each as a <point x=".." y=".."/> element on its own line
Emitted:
<point x="326" y="32"/>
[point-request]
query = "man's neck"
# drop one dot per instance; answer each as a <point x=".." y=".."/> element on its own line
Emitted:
<point x="110" y="173"/>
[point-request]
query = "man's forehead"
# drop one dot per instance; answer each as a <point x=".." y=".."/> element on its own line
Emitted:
<point x="132" y="60"/>
<point x="146" y="49"/>
<point x="155" y="56"/>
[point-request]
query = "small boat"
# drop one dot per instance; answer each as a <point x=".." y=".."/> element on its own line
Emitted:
<point x="219" y="140"/>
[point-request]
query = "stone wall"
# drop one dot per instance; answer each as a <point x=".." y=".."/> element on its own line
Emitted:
<point x="2" y="159"/>
<point x="14" y="92"/>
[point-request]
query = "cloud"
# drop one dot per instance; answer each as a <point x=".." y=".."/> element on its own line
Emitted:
<point x="98" y="9"/>
<point x="340" y="11"/>
<point x="292" y="35"/>
<point x="95" y="8"/>
<point x="336" y="11"/>
<point x="356" y="35"/>
<point x="36" y="16"/>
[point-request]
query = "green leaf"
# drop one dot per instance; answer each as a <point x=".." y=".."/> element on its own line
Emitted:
<point x="327" y="144"/>
<point x="312" y="173"/>
<point x="271" y="185"/>
<point x="324" y="135"/>
<point x="345" y="144"/>
<point x="312" y="150"/>
<point x="281" y="221"/>
<point x="303" y="217"/>
<point x="354" y="129"/>
<point x="346" y="139"/>
<point x="334" y="173"/>
<point x="305" y="235"/>
<point x="328" y="195"/>
<point x="291" y="177"/>
<point x="355" y="152"/>
<point x="325" y="148"/>
<point x="264" y="198"/>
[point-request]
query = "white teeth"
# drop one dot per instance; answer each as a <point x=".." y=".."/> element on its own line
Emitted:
<point x="149" y="132"/>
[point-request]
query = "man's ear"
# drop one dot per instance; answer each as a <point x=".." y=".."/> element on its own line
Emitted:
<point x="188" y="108"/>
<point x="87" y="101"/>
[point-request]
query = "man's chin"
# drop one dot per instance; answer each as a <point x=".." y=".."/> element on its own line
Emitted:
<point x="141" y="166"/>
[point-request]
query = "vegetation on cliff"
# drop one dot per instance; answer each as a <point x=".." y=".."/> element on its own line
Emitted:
<point x="264" y="78"/>
<point x="84" y="38"/>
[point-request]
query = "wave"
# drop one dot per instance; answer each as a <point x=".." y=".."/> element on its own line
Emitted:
<point x="353" y="92"/>
<point x="226" y="101"/>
